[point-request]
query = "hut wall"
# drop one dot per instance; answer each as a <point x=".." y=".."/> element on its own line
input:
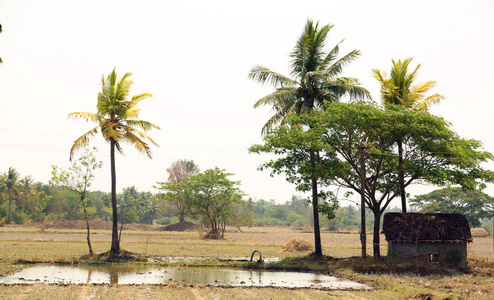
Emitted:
<point x="429" y="253"/>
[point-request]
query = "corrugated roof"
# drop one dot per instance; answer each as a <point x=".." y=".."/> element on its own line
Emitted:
<point x="411" y="227"/>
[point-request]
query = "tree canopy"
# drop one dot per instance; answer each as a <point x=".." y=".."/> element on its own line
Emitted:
<point x="208" y="196"/>
<point x="474" y="204"/>
<point x="315" y="80"/>
<point x="432" y="151"/>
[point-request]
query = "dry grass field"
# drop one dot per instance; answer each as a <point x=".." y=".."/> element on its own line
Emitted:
<point x="55" y="245"/>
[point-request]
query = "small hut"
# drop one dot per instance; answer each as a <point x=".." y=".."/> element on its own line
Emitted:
<point x="427" y="239"/>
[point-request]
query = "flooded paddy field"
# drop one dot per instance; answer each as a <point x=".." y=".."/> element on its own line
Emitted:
<point x="23" y="245"/>
<point x="114" y="274"/>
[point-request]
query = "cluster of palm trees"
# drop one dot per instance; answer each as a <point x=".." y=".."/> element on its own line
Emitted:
<point x="18" y="192"/>
<point x="315" y="80"/>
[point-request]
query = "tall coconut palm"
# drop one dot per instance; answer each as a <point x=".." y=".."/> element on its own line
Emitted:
<point x="314" y="77"/>
<point x="399" y="89"/>
<point x="314" y="80"/>
<point x="117" y="121"/>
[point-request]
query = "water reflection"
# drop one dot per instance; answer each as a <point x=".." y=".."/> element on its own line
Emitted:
<point x="164" y="275"/>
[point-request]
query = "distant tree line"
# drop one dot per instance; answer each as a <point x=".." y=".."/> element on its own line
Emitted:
<point x="38" y="202"/>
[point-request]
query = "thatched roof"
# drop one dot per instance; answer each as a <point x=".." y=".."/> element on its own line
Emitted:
<point x="412" y="227"/>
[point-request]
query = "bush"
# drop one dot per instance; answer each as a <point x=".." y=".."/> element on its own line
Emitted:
<point x="167" y="220"/>
<point x="455" y="256"/>
<point x="19" y="217"/>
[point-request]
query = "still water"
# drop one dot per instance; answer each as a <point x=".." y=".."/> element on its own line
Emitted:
<point x="179" y="275"/>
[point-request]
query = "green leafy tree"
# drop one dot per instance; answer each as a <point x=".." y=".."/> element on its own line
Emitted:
<point x="39" y="203"/>
<point x="117" y="118"/>
<point x="315" y="80"/>
<point x="440" y="156"/>
<point x="178" y="172"/>
<point x="400" y="89"/>
<point x="210" y="195"/>
<point x="474" y="204"/>
<point x="78" y="178"/>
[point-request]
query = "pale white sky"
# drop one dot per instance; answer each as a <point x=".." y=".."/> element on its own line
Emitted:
<point x="194" y="56"/>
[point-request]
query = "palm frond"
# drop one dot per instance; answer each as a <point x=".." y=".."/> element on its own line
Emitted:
<point x="141" y="134"/>
<point x="82" y="141"/>
<point x="137" y="98"/>
<point x="84" y="115"/>
<point x="131" y="114"/>
<point x="332" y="55"/>
<point x="423" y="87"/>
<point x="144" y="125"/>
<point x="279" y="98"/>
<point x="427" y="102"/>
<point x="139" y="144"/>
<point x="337" y="67"/>
<point x="265" y="75"/>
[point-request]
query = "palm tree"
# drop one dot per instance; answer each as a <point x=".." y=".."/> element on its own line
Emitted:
<point x="314" y="80"/>
<point x="12" y="185"/>
<point x="117" y="120"/>
<point x="399" y="89"/>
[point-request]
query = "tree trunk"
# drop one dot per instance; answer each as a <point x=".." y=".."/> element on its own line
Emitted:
<point x="401" y="178"/>
<point x="315" y="210"/>
<point x="87" y="227"/>
<point x="10" y="203"/>
<point x="181" y="218"/>
<point x="376" y="240"/>
<point x="125" y="210"/>
<point x="115" y="242"/>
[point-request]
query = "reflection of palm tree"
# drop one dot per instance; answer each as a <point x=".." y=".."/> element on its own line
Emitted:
<point x="113" y="275"/>
<point x="117" y="120"/>
<point x="399" y="89"/>
<point x="315" y="81"/>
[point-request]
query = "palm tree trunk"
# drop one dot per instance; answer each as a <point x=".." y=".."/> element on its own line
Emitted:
<point x="315" y="209"/>
<point x="10" y="204"/>
<point x="401" y="178"/>
<point x="115" y="242"/>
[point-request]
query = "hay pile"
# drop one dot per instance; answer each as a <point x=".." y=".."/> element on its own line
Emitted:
<point x="297" y="244"/>
<point x="210" y="235"/>
<point x="479" y="232"/>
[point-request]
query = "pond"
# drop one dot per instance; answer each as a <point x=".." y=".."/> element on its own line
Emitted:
<point x="54" y="274"/>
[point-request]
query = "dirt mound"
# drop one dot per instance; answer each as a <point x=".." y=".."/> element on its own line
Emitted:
<point x="210" y="235"/>
<point x="297" y="244"/>
<point x="479" y="232"/>
<point x="180" y="226"/>
<point x="123" y="256"/>
<point x="136" y="226"/>
<point x="78" y="224"/>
